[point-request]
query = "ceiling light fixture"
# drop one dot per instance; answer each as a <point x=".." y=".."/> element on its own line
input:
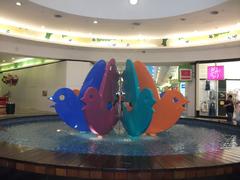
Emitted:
<point x="5" y="64"/>
<point x="95" y="22"/>
<point x="22" y="60"/>
<point x="57" y="15"/>
<point x="136" y="23"/>
<point x="18" y="3"/>
<point x="42" y="27"/>
<point x="133" y="2"/>
<point x="183" y="19"/>
<point x="141" y="41"/>
<point x="214" y="12"/>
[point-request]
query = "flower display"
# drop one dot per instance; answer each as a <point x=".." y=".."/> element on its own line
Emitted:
<point x="10" y="80"/>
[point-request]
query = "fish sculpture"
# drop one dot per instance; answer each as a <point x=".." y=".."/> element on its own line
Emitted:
<point x="168" y="109"/>
<point x="69" y="106"/>
<point x="100" y="110"/>
<point x="138" y="111"/>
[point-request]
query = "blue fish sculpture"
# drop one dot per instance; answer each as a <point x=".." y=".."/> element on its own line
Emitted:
<point x="69" y="106"/>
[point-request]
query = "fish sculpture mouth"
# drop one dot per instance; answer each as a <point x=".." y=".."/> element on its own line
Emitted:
<point x="182" y="107"/>
<point x="52" y="100"/>
<point x="184" y="103"/>
<point x="83" y="99"/>
<point x="52" y="106"/>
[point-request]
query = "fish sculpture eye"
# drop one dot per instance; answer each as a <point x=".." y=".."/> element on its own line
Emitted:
<point x="62" y="97"/>
<point x="175" y="100"/>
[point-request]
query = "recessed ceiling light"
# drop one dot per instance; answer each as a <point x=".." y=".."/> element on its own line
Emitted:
<point x="57" y="16"/>
<point x="95" y="22"/>
<point x="214" y="12"/>
<point x="183" y="19"/>
<point x="136" y="23"/>
<point x="133" y="2"/>
<point x="18" y="3"/>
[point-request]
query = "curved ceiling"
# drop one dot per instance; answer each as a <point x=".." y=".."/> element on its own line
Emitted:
<point x="123" y="10"/>
<point x="218" y="21"/>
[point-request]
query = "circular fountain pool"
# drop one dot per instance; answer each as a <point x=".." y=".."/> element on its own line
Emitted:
<point x="190" y="149"/>
<point x="186" y="137"/>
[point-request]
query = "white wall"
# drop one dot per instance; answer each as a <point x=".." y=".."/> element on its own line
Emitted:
<point x="27" y="94"/>
<point x="76" y="73"/>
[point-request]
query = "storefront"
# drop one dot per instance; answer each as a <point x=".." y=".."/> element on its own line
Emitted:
<point x="214" y="82"/>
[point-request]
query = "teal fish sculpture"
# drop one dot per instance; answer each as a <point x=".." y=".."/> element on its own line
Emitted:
<point x="138" y="111"/>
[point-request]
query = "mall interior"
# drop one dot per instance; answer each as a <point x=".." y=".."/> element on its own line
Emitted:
<point x="189" y="46"/>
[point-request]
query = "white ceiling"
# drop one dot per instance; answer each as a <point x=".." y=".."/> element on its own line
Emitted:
<point x="123" y="10"/>
<point x="34" y="14"/>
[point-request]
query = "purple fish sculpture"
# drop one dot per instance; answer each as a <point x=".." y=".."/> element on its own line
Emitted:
<point x="100" y="110"/>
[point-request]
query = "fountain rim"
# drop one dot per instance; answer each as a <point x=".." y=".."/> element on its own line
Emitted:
<point x="90" y="166"/>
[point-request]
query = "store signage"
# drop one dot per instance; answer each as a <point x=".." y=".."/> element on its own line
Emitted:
<point x="185" y="74"/>
<point x="215" y="72"/>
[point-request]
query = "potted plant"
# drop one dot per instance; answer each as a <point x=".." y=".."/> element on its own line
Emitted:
<point x="10" y="80"/>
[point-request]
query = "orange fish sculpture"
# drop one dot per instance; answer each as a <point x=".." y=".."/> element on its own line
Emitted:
<point x="168" y="109"/>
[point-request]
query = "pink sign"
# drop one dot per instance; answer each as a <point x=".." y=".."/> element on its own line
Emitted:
<point x="215" y="72"/>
